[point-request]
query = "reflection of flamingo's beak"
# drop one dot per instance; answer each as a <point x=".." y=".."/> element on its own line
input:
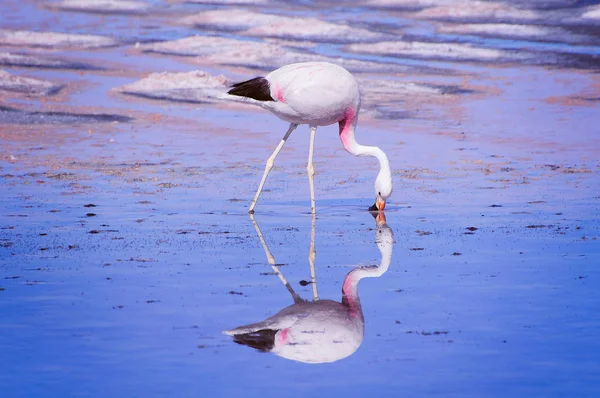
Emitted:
<point x="380" y="219"/>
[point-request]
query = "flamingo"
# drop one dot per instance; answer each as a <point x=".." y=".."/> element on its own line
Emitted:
<point x="317" y="331"/>
<point x="317" y="94"/>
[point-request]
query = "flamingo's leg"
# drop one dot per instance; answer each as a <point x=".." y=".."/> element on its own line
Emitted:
<point x="311" y="169"/>
<point x="269" y="166"/>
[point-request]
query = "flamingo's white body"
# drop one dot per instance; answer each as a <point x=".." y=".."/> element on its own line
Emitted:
<point x="323" y="330"/>
<point x="317" y="94"/>
<point x="313" y="93"/>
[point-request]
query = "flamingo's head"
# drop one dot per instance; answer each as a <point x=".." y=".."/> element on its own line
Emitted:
<point x="383" y="190"/>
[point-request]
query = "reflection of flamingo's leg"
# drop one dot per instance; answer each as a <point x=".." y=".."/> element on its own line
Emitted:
<point x="271" y="261"/>
<point x="270" y="257"/>
<point x="312" y="254"/>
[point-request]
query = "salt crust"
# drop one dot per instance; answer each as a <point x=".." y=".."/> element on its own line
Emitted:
<point x="270" y="25"/>
<point x="388" y="93"/>
<point x="440" y="51"/>
<point x="499" y="29"/>
<point x="55" y="40"/>
<point x="527" y="32"/>
<point x="224" y="2"/>
<point x="207" y="45"/>
<point x="37" y="61"/>
<point x="592" y="12"/>
<point x="236" y="19"/>
<point x="314" y="29"/>
<point x="225" y="51"/>
<point x="103" y="6"/>
<point x="517" y="32"/>
<point x="409" y="3"/>
<point x="195" y="86"/>
<point x="478" y="10"/>
<point x="27" y="85"/>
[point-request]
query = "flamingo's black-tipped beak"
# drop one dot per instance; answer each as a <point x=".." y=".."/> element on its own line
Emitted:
<point x="379" y="205"/>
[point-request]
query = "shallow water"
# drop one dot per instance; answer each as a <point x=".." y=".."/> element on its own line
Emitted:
<point x="126" y="248"/>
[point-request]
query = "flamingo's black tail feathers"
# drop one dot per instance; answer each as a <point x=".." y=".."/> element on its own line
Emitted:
<point x="257" y="88"/>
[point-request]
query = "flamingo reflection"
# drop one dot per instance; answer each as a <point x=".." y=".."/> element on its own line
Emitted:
<point x="317" y="331"/>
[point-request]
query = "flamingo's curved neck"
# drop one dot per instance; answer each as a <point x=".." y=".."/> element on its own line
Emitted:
<point x="347" y="128"/>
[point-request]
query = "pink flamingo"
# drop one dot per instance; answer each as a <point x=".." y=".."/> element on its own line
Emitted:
<point x="317" y="331"/>
<point x="317" y="94"/>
